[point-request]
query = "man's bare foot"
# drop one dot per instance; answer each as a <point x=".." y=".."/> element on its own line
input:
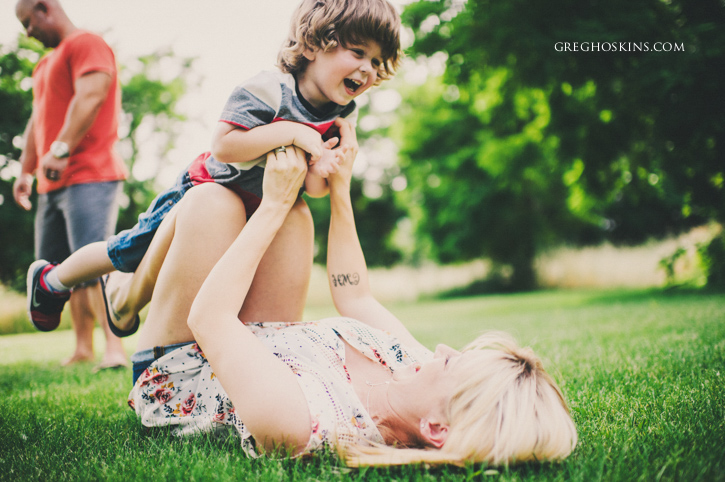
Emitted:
<point x="77" y="358"/>
<point x="112" y="361"/>
<point x="122" y="316"/>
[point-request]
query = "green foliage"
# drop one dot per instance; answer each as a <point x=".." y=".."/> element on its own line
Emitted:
<point x="375" y="220"/>
<point x="642" y="373"/>
<point x="16" y="235"/>
<point x="713" y="257"/>
<point x="668" y="264"/>
<point x="609" y="145"/>
<point x="376" y="217"/>
<point x="487" y="183"/>
<point x="145" y="98"/>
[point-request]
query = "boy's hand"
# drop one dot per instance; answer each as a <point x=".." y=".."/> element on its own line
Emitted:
<point x="309" y="140"/>
<point x="328" y="163"/>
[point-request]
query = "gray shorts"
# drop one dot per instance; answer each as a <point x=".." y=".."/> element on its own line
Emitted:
<point x="70" y="218"/>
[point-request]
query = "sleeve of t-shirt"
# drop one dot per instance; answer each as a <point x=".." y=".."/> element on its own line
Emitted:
<point x="90" y="53"/>
<point x="253" y="103"/>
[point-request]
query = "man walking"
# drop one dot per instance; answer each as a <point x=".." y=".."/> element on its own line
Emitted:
<point x="69" y="146"/>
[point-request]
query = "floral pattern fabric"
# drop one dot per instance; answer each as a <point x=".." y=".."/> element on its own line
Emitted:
<point x="181" y="390"/>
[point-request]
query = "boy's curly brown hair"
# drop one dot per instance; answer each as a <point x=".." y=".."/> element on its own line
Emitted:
<point x="325" y="24"/>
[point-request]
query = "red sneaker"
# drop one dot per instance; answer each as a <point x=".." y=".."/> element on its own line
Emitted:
<point x="44" y="307"/>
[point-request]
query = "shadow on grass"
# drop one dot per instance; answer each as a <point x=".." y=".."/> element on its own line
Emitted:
<point x="497" y="285"/>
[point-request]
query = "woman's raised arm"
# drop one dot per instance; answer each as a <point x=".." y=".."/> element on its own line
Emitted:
<point x="346" y="267"/>
<point x="264" y="391"/>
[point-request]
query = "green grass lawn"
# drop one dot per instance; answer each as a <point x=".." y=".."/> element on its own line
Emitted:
<point x="643" y="372"/>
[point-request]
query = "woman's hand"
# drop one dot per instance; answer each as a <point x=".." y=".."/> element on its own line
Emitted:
<point x="265" y="393"/>
<point x="283" y="176"/>
<point x="348" y="149"/>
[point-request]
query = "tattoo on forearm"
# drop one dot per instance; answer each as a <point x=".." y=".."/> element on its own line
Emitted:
<point x="349" y="279"/>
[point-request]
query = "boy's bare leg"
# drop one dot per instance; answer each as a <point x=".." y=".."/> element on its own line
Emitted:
<point x="87" y="263"/>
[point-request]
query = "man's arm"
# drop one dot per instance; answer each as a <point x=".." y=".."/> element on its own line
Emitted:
<point x="91" y="91"/>
<point x="23" y="186"/>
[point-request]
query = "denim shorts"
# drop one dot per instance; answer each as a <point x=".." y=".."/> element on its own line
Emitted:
<point x="69" y="218"/>
<point x="127" y="248"/>
<point x="142" y="359"/>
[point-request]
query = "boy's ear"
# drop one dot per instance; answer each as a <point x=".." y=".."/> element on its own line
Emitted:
<point x="310" y="54"/>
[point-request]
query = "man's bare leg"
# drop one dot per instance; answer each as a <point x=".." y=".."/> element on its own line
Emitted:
<point x="86" y="306"/>
<point x="82" y="320"/>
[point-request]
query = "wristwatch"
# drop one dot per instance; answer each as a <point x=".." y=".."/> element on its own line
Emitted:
<point x="59" y="150"/>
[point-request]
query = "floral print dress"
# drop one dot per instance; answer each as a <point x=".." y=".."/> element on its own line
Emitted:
<point x="181" y="390"/>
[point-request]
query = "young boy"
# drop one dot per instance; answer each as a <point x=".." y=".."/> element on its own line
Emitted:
<point x="336" y="50"/>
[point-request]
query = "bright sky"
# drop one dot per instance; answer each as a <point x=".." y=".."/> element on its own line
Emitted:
<point x="233" y="40"/>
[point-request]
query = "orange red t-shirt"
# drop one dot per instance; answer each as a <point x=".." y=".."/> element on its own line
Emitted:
<point x="94" y="159"/>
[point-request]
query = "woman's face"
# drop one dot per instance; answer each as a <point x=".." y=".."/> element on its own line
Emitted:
<point x="432" y="382"/>
<point x="442" y="357"/>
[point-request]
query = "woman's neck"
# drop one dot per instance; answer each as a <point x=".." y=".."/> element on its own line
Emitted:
<point x="393" y="421"/>
<point x="384" y="400"/>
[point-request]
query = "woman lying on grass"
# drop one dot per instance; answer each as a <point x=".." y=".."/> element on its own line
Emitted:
<point x="359" y="383"/>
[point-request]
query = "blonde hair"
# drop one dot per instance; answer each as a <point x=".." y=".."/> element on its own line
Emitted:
<point x="506" y="409"/>
<point x="325" y="24"/>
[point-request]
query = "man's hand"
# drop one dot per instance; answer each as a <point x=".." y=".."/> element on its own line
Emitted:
<point x="52" y="167"/>
<point x="22" y="189"/>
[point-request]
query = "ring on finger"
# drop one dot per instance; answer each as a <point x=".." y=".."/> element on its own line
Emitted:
<point x="280" y="149"/>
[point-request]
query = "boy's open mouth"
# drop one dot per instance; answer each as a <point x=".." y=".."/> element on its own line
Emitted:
<point x="352" y="85"/>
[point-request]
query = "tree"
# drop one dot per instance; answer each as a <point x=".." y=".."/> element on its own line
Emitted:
<point x="620" y="144"/>
<point x="486" y="181"/>
<point x="149" y="99"/>
<point x="16" y="234"/>
<point x="145" y="98"/>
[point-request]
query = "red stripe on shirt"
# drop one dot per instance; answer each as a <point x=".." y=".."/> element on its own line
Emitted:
<point x="199" y="174"/>
<point x="321" y="128"/>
